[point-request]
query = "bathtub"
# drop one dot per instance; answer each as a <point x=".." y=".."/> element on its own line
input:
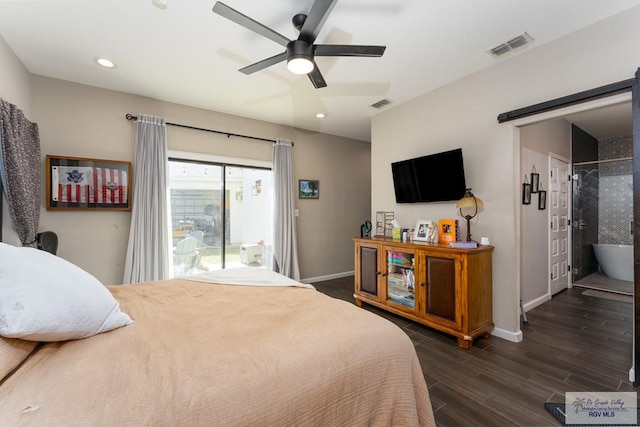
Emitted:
<point x="616" y="261"/>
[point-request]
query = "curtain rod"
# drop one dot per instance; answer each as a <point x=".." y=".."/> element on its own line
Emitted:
<point x="132" y="117"/>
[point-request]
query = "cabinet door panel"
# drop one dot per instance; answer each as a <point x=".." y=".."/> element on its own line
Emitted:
<point x="441" y="291"/>
<point x="369" y="270"/>
<point x="399" y="277"/>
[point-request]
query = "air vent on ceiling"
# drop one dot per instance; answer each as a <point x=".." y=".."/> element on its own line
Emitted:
<point x="381" y="103"/>
<point x="512" y="44"/>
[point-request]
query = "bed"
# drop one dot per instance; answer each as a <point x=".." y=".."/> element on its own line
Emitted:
<point x="236" y="347"/>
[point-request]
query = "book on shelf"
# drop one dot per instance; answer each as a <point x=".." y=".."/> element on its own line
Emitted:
<point x="409" y="278"/>
<point x="406" y="299"/>
<point x="465" y="245"/>
<point x="449" y="230"/>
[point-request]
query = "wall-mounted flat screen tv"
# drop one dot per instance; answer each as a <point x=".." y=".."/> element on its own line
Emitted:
<point x="433" y="178"/>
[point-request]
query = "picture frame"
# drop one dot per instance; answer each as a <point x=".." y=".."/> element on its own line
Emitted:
<point x="535" y="180"/>
<point x="526" y="193"/>
<point x="542" y="199"/>
<point x="308" y="189"/>
<point x="79" y="183"/>
<point x="421" y="232"/>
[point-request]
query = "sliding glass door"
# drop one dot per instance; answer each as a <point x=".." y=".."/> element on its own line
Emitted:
<point x="221" y="216"/>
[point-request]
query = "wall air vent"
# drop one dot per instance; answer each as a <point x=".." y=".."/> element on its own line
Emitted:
<point x="512" y="44"/>
<point x="381" y="103"/>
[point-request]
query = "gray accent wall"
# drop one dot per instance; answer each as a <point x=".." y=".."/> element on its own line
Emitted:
<point x="83" y="121"/>
<point x="615" y="207"/>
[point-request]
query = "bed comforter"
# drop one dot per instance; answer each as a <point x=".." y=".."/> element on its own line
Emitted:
<point x="217" y="354"/>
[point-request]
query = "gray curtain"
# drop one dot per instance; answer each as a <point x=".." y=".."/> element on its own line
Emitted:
<point x="20" y="171"/>
<point x="148" y="248"/>
<point x="285" y="247"/>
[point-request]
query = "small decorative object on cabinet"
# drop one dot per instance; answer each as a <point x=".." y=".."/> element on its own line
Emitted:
<point x="471" y="205"/>
<point x="448" y="289"/>
<point x="384" y="226"/>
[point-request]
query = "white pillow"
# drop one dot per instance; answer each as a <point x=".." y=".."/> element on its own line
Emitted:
<point x="45" y="298"/>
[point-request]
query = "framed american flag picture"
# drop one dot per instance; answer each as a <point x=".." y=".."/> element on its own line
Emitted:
<point x="80" y="183"/>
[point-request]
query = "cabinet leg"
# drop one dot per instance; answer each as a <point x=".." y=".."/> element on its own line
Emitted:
<point x="464" y="344"/>
<point x="486" y="335"/>
<point x="358" y="302"/>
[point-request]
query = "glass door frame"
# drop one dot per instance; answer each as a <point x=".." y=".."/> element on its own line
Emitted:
<point x="218" y="161"/>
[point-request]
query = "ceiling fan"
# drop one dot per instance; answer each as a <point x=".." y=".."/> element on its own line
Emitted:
<point x="300" y="52"/>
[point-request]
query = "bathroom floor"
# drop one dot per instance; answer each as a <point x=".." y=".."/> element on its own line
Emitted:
<point x="603" y="283"/>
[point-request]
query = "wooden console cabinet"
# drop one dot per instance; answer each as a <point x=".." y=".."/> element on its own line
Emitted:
<point x="445" y="288"/>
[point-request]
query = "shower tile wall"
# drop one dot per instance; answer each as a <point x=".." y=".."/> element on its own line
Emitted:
<point x="615" y="207"/>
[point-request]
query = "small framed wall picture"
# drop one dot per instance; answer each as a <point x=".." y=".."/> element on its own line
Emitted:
<point x="526" y="193"/>
<point x="542" y="199"/>
<point x="308" y="189"/>
<point x="535" y="180"/>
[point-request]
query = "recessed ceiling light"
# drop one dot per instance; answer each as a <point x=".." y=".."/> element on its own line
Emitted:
<point x="105" y="62"/>
<point x="160" y="4"/>
<point x="321" y="115"/>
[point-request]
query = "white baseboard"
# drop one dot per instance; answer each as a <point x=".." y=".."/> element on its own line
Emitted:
<point x="327" y="277"/>
<point x="536" y="302"/>
<point x="507" y="335"/>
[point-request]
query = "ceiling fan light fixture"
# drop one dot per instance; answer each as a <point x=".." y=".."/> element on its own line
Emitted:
<point x="300" y="59"/>
<point x="300" y="52"/>
<point x="300" y="65"/>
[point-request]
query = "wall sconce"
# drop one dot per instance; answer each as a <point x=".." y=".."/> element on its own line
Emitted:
<point x="471" y="205"/>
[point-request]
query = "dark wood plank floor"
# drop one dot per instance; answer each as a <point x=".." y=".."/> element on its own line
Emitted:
<point x="573" y="343"/>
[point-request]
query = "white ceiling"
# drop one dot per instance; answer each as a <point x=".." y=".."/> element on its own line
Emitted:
<point x="605" y="122"/>
<point x="187" y="54"/>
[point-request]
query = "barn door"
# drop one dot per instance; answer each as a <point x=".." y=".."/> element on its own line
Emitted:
<point x="635" y="105"/>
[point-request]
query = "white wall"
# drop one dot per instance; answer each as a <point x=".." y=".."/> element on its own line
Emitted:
<point x="14" y="88"/>
<point x="537" y="142"/>
<point x="463" y="114"/>
<point x="14" y="79"/>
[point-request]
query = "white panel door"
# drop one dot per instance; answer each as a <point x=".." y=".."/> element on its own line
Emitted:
<point x="558" y="205"/>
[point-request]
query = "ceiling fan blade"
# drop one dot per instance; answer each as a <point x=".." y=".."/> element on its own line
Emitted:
<point x="250" y="24"/>
<point x="315" y="19"/>
<point x="348" y="50"/>
<point x="316" y="77"/>
<point x="261" y="65"/>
